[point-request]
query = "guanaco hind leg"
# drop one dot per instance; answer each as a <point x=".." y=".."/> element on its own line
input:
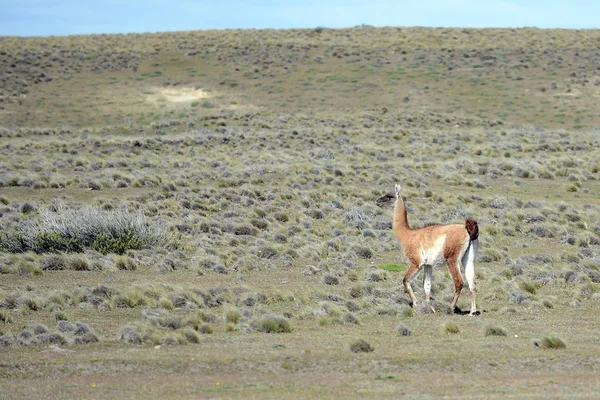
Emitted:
<point x="468" y="262"/>
<point x="454" y="269"/>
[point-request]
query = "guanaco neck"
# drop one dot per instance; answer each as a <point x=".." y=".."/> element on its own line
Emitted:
<point x="400" y="222"/>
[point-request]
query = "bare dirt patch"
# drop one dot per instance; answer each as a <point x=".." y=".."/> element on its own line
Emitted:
<point x="177" y="95"/>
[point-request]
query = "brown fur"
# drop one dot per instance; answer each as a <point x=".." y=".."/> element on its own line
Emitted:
<point x="472" y="228"/>
<point x="425" y="241"/>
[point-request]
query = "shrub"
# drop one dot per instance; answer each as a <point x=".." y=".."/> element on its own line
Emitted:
<point x="547" y="303"/>
<point x="331" y="280"/>
<point x="408" y="312"/>
<point x="233" y="315"/>
<point x="13" y="242"/>
<point x="6" y="340"/>
<point x="106" y="231"/>
<point x="494" y="331"/>
<point x="33" y="304"/>
<point x="451" y="327"/>
<point x="118" y="244"/>
<point x="528" y="287"/>
<point x="27" y="208"/>
<point x="53" y="242"/>
<point x="360" y="346"/>
<point x="205" y="329"/>
<point x="84" y="334"/>
<point x="281" y="217"/>
<point x="79" y="264"/>
<point x="5" y="317"/>
<point x="352" y="306"/>
<point x="245" y="230"/>
<point x="267" y="252"/>
<point x="132" y="299"/>
<point x="403" y="329"/>
<point x="260" y="224"/>
<point x="552" y="342"/>
<point x="166" y="303"/>
<point x="363" y="252"/>
<point x="130" y="335"/>
<point x="65" y="326"/>
<point x="54" y="263"/>
<point x="376" y="276"/>
<point x="271" y="324"/>
<point x="356" y="291"/>
<point x="125" y="264"/>
<point x="170" y="321"/>
<point x="206" y="317"/>
<point x="39" y="328"/>
<point x="190" y="335"/>
<point x="349" y="318"/>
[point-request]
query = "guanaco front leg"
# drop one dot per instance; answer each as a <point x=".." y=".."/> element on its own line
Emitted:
<point x="412" y="270"/>
<point x="427" y="277"/>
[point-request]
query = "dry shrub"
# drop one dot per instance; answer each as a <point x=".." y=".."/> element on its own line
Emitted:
<point x="360" y="346"/>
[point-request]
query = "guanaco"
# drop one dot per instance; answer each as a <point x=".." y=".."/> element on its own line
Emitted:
<point x="433" y="244"/>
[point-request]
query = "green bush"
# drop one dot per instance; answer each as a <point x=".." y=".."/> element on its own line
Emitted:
<point x="118" y="244"/>
<point x="54" y="242"/>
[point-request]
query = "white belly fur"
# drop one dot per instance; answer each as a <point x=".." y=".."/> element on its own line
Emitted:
<point x="433" y="254"/>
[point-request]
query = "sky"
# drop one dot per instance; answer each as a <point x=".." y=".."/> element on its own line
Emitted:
<point x="69" y="17"/>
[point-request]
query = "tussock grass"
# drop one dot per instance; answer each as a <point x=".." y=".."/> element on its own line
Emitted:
<point x="5" y="317"/>
<point x="271" y="324"/>
<point x="551" y="342"/>
<point x="491" y="330"/>
<point x="451" y="327"/>
<point x="233" y="315"/>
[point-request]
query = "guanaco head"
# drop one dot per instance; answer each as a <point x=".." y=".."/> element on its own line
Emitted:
<point x="398" y="189"/>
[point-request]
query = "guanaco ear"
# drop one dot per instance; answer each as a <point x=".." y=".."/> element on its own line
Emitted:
<point x="398" y="188"/>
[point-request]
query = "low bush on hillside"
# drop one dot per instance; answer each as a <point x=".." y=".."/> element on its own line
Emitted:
<point x="113" y="231"/>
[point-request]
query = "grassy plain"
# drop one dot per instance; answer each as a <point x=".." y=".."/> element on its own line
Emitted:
<point x="262" y="154"/>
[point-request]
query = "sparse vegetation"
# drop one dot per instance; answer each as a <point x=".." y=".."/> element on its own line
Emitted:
<point x="206" y="188"/>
